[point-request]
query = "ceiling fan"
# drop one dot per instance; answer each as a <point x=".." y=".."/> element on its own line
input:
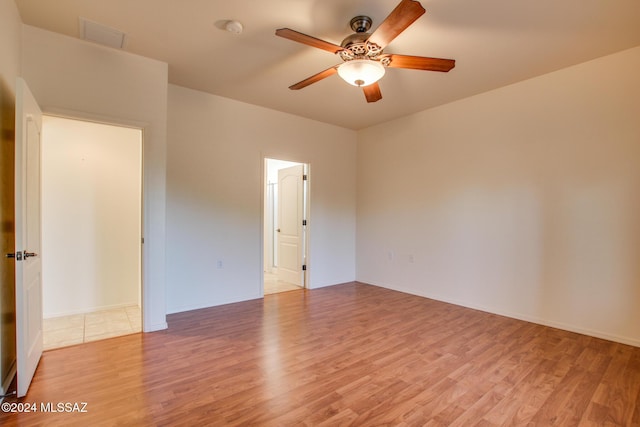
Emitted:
<point x="362" y="54"/>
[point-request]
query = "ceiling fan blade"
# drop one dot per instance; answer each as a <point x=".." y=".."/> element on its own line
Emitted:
<point x="398" y="20"/>
<point x="372" y="92"/>
<point x="420" y="63"/>
<point x="315" y="78"/>
<point x="290" y="34"/>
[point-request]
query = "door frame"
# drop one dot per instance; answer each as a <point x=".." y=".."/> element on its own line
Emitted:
<point x="306" y="215"/>
<point x="145" y="302"/>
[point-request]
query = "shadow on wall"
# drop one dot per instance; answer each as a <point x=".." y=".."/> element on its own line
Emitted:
<point x="7" y="232"/>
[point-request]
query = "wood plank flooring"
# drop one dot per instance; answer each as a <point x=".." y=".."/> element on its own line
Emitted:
<point x="350" y="354"/>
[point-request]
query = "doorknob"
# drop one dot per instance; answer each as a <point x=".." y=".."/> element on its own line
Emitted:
<point x="16" y="255"/>
<point x="29" y="254"/>
<point x="278" y="230"/>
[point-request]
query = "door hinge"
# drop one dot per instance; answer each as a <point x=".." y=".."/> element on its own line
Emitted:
<point x="142" y="240"/>
<point x="304" y="222"/>
<point x="304" y="177"/>
<point x="304" y="267"/>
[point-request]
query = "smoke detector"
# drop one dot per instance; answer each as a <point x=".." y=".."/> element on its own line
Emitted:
<point x="234" y="27"/>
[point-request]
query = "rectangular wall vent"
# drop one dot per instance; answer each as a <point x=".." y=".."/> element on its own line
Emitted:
<point x="101" y="34"/>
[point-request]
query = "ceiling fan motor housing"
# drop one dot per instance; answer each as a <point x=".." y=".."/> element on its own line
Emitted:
<point x="356" y="38"/>
<point x="356" y="46"/>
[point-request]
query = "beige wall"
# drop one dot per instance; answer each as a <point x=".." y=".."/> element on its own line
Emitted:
<point x="91" y="177"/>
<point x="10" y="26"/>
<point x="89" y="81"/>
<point x="522" y="201"/>
<point x="214" y="192"/>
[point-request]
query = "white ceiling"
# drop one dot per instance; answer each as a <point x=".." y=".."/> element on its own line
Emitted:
<point x="494" y="43"/>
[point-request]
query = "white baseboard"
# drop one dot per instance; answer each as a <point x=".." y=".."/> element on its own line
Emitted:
<point x="155" y="327"/>
<point x="518" y="316"/>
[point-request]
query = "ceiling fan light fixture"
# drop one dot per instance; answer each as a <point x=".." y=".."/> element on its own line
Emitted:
<point x="361" y="72"/>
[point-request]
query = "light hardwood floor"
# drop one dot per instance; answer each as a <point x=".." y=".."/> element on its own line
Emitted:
<point x="350" y="354"/>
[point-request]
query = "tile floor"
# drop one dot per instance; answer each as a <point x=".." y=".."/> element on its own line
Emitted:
<point x="272" y="285"/>
<point x="78" y="328"/>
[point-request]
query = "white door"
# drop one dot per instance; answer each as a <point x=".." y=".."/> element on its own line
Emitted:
<point x="27" y="255"/>
<point x="290" y="216"/>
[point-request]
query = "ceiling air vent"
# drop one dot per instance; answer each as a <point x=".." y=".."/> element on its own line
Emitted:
<point x="101" y="34"/>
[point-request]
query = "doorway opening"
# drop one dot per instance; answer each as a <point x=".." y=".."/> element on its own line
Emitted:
<point x="91" y="231"/>
<point x="286" y="229"/>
